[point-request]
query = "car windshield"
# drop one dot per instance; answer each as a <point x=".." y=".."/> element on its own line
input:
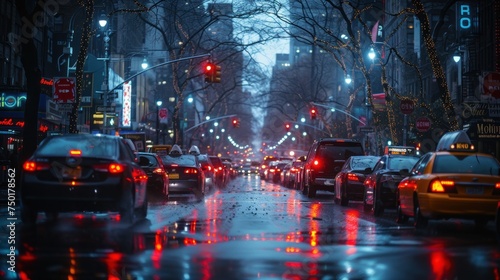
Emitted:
<point x="361" y="163"/>
<point x="338" y="151"/>
<point x="184" y="160"/>
<point x="470" y="164"/>
<point x="404" y="162"/>
<point x="100" y="147"/>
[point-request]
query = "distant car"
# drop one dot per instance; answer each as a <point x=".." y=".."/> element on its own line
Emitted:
<point x="323" y="161"/>
<point x="349" y="180"/>
<point x="185" y="174"/>
<point x="83" y="172"/>
<point x="220" y="173"/>
<point x="157" y="175"/>
<point x="454" y="181"/>
<point x="380" y="187"/>
<point x="265" y="164"/>
<point x="208" y="169"/>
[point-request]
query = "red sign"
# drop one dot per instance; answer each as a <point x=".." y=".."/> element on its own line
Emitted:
<point x="423" y="124"/>
<point x="407" y="106"/>
<point x="491" y="84"/>
<point x="64" y="90"/>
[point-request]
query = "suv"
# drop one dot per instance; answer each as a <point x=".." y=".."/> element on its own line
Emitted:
<point x="324" y="160"/>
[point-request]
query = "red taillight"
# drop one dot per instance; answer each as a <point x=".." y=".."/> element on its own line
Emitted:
<point x="272" y="170"/>
<point x="191" y="171"/>
<point x="353" y="177"/>
<point x="441" y="186"/>
<point x="113" y="168"/>
<point x="35" y="166"/>
<point x="316" y="162"/>
<point x="158" y="171"/>
<point x="497" y="186"/>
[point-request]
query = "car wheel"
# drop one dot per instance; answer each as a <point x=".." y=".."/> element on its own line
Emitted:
<point x="378" y="207"/>
<point x="311" y="191"/>
<point x="127" y="213"/>
<point x="366" y="207"/>
<point x="419" y="220"/>
<point x="344" y="201"/>
<point x="28" y="214"/>
<point x="400" y="217"/>
<point x="142" y="211"/>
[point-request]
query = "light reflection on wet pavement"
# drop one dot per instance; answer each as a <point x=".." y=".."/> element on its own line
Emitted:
<point x="251" y="231"/>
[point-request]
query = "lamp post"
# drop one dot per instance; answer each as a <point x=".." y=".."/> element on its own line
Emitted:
<point x="158" y="104"/>
<point x="103" y="22"/>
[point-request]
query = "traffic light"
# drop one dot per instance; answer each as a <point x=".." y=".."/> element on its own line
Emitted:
<point x="236" y="123"/>
<point x="287" y="127"/>
<point x="313" y="113"/>
<point x="217" y="74"/>
<point x="209" y="71"/>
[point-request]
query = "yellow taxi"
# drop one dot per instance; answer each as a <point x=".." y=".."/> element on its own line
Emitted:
<point x="454" y="181"/>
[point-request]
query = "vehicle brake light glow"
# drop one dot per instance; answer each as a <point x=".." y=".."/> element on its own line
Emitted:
<point x="35" y="166"/>
<point x="497" y="185"/>
<point x="352" y="177"/>
<point x="191" y="171"/>
<point x="441" y="186"/>
<point x="158" y="171"/>
<point x="75" y="152"/>
<point x="116" y="168"/>
<point x="316" y="162"/>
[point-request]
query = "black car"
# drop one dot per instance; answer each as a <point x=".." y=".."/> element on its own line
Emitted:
<point x="83" y="172"/>
<point x="184" y="173"/>
<point x="349" y="181"/>
<point x="323" y="161"/>
<point x="157" y="175"/>
<point x="380" y="187"/>
<point x="220" y="172"/>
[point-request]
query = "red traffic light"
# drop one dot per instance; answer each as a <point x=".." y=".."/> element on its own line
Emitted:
<point x="287" y="127"/>
<point x="236" y="123"/>
<point x="313" y="113"/>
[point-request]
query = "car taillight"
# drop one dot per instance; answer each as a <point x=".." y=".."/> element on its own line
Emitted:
<point x="272" y="170"/>
<point x="191" y="171"/>
<point x="158" y="171"/>
<point x="316" y="162"/>
<point x="35" y="166"/>
<point x="113" y="168"/>
<point x="353" y="177"/>
<point x="497" y="186"/>
<point x="442" y="186"/>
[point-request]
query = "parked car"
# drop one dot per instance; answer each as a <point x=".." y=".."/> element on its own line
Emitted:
<point x="289" y="173"/>
<point x="323" y="161"/>
<point x="380" y="187"/>
<point x="454" y="181"/>
<point x="349" y="180"/>
<point x="184" y="173"/>
<point x="157" y="175"/>
<point x="83" y="172"/>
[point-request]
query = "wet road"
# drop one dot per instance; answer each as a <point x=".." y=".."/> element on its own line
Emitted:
<point x="249" y="230"/>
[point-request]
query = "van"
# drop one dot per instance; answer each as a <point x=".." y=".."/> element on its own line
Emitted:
<point x="323" y="161"/>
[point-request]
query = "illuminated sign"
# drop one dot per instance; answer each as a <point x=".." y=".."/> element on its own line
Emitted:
<point x="12" y="100"/>
<point x="127" y="106"/>
<point x="467" y="18"/>
<point x="399" y="150"/>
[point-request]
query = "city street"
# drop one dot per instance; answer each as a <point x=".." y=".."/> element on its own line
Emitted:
<point x="251" y="229"/>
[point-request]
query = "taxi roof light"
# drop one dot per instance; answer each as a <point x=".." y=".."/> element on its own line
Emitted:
<point x="455" y="141"/>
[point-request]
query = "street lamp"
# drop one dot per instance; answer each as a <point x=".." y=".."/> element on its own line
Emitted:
<point x="103" y="22"/>
<point x="158" y="104"/>
<point x="144" y="64"/>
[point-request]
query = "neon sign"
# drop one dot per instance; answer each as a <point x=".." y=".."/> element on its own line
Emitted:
<point x="465" y="19"/>
<point x="10" y="101"/>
